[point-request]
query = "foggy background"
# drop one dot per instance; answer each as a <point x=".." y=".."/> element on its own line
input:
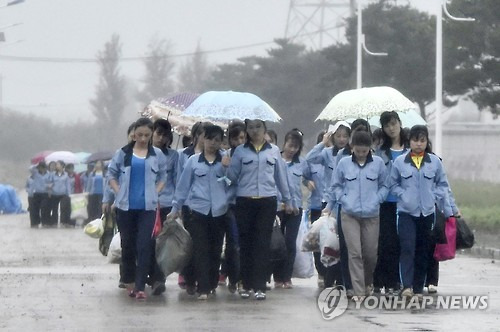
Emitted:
<point x="50" y="76"/>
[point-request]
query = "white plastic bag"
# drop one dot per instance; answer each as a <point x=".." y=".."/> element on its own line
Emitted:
<point x="115" y="250"/>
<point x="303" y="267"/>
<point x="79" y="204"/>
<point x="329" y="243"/>
<point x="95" y="228"/>
<point x="310" y="241"/>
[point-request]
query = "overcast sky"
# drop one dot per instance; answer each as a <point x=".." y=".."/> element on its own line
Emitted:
<point x="62" y="30"/>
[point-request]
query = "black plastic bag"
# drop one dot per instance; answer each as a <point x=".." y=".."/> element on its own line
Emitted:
<point x="438" y="232"/>
<point x="465" y="237"/>
<point x="278" y="244"/>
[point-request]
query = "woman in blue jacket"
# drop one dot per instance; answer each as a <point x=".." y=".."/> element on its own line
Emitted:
<point x="359" y="185"/>
<point x="290" y="222"/>
<point x="394" y="144"/>
<point x="259" y="171"/>
<point x="136" y="175"/>
<point x="202" y="189"/>
<point x="419" y="182"/>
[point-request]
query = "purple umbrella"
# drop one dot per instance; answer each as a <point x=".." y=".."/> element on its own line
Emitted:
<point x="172" y="105"/>
<point x="101" y="155"/>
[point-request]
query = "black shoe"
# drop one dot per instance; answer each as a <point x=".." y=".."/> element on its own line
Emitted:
<point x="231" y="288"/>
<point x="158" y="288"/>
<point x="191" y="290"/>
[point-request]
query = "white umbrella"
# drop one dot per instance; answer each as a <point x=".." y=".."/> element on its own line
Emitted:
<point x="66" y="156"/>
<point x="365" y="103"/>
<point x="230" y="105"/>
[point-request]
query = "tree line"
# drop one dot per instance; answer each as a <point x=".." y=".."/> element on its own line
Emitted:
<point x="295" y="81"/>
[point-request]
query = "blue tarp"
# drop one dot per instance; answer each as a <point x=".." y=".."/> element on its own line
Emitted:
<point x="9" y="202"/>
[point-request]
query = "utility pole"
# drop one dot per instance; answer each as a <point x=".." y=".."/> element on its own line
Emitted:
<point x="317" y="23"/>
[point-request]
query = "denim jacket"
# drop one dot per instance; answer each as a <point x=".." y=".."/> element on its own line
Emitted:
<point x="296" y="172"/>
<point x="62" y="184"/>
<point x="201" y="186"/>
<point x="360" y="189"/>
<point x="316" y="173"/>
<point x="418" y="191"/>
<point x="259" y="174"/>
<point x="167" y="193"/>
<point x="119" y="170"/>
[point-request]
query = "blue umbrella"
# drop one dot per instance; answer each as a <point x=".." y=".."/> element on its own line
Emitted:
<point x="229" y="105"/>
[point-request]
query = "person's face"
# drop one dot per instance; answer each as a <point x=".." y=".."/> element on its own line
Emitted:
<point x="131" y="136"/>
<point x="290" y="149"/>
<point x="70" y="170"/>
<point x="238" y="140"/>
<point x="59" y="167"/>
<point x="98" y="166"/>
<point x="392" y="129"/>
<point x="361" y="152"/>
<point x="256" y="130"/>
<point x="160" y="139"/>
<point x="201" y="140"/>
<point x="340" y="138"/>
<point x="52" y="167"/>
<point x="42" y="169"/>
<point x="212" y="145"/>
<point x="142" y="135"/>
<point x="418" y="145"/>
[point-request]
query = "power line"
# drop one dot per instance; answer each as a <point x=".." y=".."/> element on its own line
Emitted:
<point x="126" y="59"/>
<point x="141" y="58"/>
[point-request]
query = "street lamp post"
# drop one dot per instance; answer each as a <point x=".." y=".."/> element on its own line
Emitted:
<point x="361" y="45"/>
<point x="439" y="71"/>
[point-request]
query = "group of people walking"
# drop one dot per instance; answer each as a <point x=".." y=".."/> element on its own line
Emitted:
<point x="49" y="188"/>
<point x="384" y="198"/>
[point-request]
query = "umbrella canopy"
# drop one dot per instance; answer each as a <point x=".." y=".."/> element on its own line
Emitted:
<point x="408" y="119"/>
<point x="173" y="105"/>
<point x="229" y="105"/>
<point x="365" y="103"/>
<point x="100" y="155"/>
<point x="40" y="156"/>
<point x="66" y="156"/>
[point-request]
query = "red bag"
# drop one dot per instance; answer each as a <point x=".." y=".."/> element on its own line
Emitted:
<point x="158" y="224"/>
<point x="446" y="251"/>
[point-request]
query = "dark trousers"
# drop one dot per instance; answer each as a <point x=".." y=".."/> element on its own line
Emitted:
<point x="290" y="224"/>
<point x="94" y="207"/>
<point x="432" y="277"/>
<point x="207" y="233"/>
<point x="333" y="274"/>
<point x="136" y="228"/>
<point x="31" y="209"/>
<point x="155" y="273"/>
<point x="387" y="270"/>
<point x="63" y="202"/>
<point x="414" y="238"/>
<point x="230" y="265"/>
<point x="344" y="257"/>
<point x="41" y="209"/>
<point x="255" y="218"/>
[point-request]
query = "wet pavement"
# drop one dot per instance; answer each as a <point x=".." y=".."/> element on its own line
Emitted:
<point x="56" y="279"/>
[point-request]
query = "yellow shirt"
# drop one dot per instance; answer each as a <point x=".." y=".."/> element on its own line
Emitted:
<point x="258" y="148"/>
<point x="417" y="160"/>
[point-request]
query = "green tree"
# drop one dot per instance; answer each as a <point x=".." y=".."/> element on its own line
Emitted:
<point x="159" y="70"/>
<point x="472" y="52"/>
<point x="194" y="72"/>
<point x="110" y="100"/>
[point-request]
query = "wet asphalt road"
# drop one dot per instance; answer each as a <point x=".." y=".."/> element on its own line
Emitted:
<point x="56" y="280"/>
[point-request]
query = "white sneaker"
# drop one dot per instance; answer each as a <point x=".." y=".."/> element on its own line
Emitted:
<point x="407" y="292"/>
<point x="432" y="289"/>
